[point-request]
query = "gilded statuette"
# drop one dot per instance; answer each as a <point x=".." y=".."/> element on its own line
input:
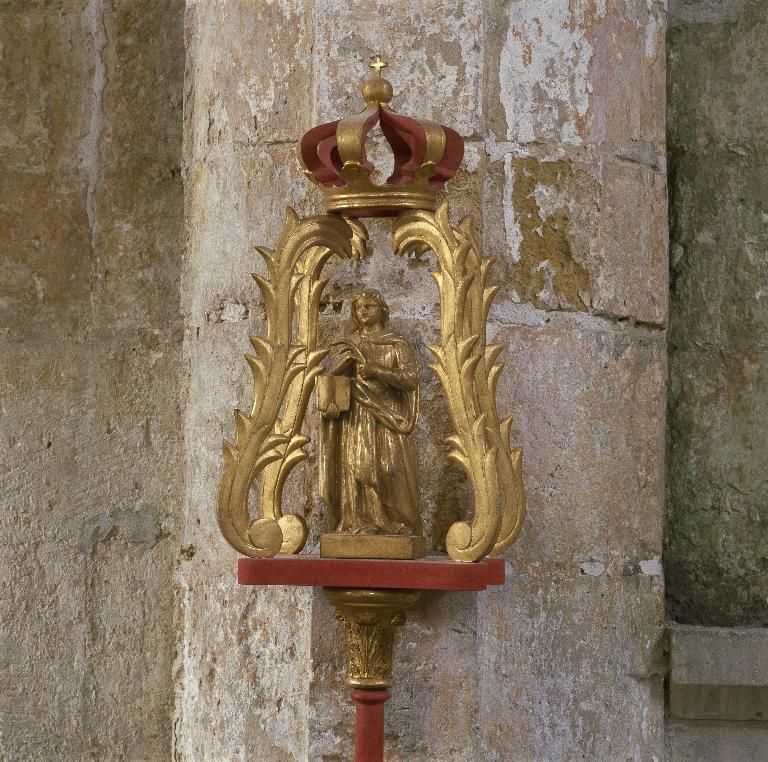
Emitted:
<point x="367" y="384"/>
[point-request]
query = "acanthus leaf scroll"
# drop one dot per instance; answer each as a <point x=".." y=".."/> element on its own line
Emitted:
<point x="284" y="370"/>
<point x="467" y="368"/>
<point x="270" y="442"/>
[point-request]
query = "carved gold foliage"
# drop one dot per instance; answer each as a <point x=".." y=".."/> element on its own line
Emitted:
<point x="286" y="362"/>
<point x="269" y="442"/>
<point x="467" y="368"/>
<point x="370" y="642"/>
<point x="370" y="619"/>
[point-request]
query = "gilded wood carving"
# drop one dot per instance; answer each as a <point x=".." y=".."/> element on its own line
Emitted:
<point x="269" y="441"/>
<point x="375" y="375"/>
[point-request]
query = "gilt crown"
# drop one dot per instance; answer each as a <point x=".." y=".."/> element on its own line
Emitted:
<point x="426" y="156"/>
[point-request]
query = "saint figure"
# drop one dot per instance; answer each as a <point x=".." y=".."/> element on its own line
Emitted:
<point x="370" y="403"/>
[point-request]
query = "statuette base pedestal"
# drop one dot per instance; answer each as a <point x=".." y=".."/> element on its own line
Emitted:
<point x="391" y="546"/>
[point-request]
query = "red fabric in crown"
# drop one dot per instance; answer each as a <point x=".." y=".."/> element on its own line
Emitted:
<point x="316" y="149"/>
<point x="406" y="137"/>
<point x="408" y="142"/>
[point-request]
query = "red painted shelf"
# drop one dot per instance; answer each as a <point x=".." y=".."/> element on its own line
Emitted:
<point x="435" y="573"/>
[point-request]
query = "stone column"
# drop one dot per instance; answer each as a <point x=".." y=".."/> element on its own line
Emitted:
<point x="718" y="445"/>
<point x="717" y="457"/>
<point x="576" y="147"/>
<point x="562" y="108"/>
<point x="244" y="660"/>
<point x="90" y="350"/>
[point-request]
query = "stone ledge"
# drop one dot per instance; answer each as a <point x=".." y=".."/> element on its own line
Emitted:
<point x="715" y="741"/>
<point x="718" y="673"/>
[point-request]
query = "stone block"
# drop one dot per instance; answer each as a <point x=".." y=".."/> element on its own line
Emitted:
<point x="123" y="683"/>
<point x="703" y="12"/>
<point x="579" y="232"/>
<point x="243" y="217"/>
<point x="576" y="73"/>
<point x="43" y="652"/>
<point x="434" y="53"/>
<point x="630" y="264"/>
<point x="588" y="401"/>
<point x="242" y="689"/>
<point x="136" y="194"/>
<point x="45" y="84"/>
<point x="714" y="742"/>
<point x="135" y="419"/>
<point x="216" y="358"/>
<point x="718" y="673"/>
<point x="540" y="220"/>
<point x="718" y="454"/>
<point x="569" y="669"/>
<point x="717" y="68"/>
<point x="719" y="235"/>
<point x="45" y="268"/>
<point x="466" y="190"/>
<point x="628" y="103"/>
<point x="249" y="70"/>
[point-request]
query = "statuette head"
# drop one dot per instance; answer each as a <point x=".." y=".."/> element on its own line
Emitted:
<point x="369" y="309"/>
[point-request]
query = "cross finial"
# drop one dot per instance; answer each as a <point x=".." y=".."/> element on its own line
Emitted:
<point x="377" y="63"/>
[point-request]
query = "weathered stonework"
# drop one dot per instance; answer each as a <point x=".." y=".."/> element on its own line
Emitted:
<point x="716" y="555"/>
<point x="90" y="248"/>
<point x="718" y="693"/>
<point x="579" y="454"/>
<point x="534" y="701"/>
<point x="575" y="238"/>
<point x="562" y="108"/>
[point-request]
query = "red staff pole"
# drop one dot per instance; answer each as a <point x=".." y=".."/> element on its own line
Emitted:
<point x="369" y="724"/>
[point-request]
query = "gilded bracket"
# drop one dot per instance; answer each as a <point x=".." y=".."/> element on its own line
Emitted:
<point x="371" y="618"/>
<point x="270" y="443"/>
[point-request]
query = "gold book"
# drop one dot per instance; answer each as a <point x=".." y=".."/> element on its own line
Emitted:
<point x="332" y="394"/>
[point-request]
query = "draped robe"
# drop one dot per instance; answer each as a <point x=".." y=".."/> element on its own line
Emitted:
<point x="368" y="465"/>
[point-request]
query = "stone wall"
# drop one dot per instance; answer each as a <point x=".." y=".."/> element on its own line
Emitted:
<point x="716" y="557"/>
<point x="90" y="335"/>
<point x="718" y="694"/>
<point x="562" y="106"/>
